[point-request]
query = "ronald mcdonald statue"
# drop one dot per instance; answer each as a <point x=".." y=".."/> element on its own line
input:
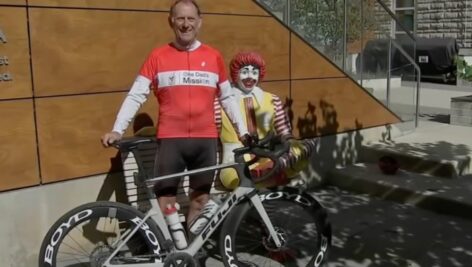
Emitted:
<point x="263" y="112"/>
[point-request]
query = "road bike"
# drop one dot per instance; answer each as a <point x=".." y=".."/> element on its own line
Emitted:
<point x="276" y="227"/>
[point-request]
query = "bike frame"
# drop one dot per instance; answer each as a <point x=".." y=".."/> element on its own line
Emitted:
<point x="246" y="190"/>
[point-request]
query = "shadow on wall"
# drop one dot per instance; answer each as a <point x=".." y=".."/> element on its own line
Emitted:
<point x="332" y="149"/>
<point x="115" y="181"/>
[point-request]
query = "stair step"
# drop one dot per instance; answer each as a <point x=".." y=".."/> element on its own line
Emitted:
<point x="435" y="159"/>
<point x="447" y="196"/>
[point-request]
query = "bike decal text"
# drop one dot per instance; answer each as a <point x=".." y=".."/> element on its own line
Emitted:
<point x="57" y="236"/>
<point x="321" y="253"/>
<point x="221" y="214"/>
<point x="286" y="195"/>
<point x="149" y="234"/>
<point x="229" y="251"/>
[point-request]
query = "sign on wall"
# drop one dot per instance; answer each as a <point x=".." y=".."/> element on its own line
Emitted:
<point x="5" y="75"/>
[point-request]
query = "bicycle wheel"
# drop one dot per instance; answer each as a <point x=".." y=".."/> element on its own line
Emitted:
<point x="300" y="223"/>
<point x="88" y="234"/>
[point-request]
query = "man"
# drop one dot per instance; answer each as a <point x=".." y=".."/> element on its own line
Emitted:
<point x="186" y="76"/>
<point x="263" y="112"/>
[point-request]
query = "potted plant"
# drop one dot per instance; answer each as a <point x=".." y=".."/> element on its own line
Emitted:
<point x="464" y="71"/>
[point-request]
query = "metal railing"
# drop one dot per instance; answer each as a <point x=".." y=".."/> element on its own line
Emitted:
<point x="359" y="36"/>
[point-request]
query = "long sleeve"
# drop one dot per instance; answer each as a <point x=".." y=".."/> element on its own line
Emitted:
<point x="281" y="123"/>
<point x="137" y="95"/>
<point x="231" y="106"/>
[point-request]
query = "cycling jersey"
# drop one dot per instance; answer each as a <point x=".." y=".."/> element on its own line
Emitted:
<point x="185" y="84"/>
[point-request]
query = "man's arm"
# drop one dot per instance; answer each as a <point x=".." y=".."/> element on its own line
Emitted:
<point x="231" y="106"/>
<point x="137" y="95"/>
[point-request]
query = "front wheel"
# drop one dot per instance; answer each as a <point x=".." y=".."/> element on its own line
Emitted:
<point x="88" y="234"/>
<point x="300" y="223"/>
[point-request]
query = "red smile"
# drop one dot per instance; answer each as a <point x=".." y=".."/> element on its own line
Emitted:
<point x="249" y="83"/>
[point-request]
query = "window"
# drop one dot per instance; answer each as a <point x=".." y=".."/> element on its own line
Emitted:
<point x="405" y="12"/>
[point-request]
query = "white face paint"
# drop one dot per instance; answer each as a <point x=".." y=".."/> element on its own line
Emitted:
<point x="248" y="78"/>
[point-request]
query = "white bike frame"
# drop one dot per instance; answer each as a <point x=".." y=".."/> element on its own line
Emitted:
<point x="246" y="190"/>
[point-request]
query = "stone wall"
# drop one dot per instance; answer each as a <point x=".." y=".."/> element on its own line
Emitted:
<point x="445" y="18"/>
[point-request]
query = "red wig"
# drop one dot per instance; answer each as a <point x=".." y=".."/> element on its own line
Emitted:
<point x="247" y="58"/>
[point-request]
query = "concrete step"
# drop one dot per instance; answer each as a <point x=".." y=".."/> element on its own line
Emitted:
<point x="437" y="149"/>
<point x="447" y="196"/>
<point x="417" y="159"/>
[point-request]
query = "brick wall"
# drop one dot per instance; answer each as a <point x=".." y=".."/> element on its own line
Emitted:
<point x="445" y="18"/>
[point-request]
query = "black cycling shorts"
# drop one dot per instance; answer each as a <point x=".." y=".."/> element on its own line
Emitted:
<point x="177" y="154"/>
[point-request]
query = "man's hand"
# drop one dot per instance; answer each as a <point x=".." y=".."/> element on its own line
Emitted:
<point x="110" y="138"/>
<point x="249" y="140"/>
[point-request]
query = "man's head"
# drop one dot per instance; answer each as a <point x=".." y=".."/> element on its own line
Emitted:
<point x="247" y="69"/>
<point x="185" y="21"/>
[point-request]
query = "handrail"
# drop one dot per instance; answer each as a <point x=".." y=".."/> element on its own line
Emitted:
<point x="407" y="56"/>
<point x="390" y="18"/>
<point x="418" y="79"/>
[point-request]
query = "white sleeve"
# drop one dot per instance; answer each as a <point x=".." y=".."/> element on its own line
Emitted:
<point x="137" y="95"/>
<point x="232" y="108"/>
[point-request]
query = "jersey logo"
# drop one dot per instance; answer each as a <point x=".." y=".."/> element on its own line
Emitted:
<point x="203" y="63"/>
<point x="172" y="79"/>
<point x="187" y="77"/>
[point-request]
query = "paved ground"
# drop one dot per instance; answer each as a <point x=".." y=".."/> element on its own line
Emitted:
<point x="370" y="232"/>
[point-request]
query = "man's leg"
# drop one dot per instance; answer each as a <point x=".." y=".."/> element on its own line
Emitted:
<point x="168" y="161"/>
<point x="164" y="201"/>
<point x="198" y="199"/>
<point x="204" y="155"/>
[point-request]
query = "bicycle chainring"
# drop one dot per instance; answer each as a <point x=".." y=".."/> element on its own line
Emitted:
<point x="180" y="259"/>
<point x="99" y="255"/>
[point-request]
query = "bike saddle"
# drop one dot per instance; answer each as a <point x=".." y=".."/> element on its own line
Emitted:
<point x="129" y="143"/>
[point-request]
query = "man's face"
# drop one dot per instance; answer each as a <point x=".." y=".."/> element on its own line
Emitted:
<point x="186" y="23"/>
<point x="248" y="77"/>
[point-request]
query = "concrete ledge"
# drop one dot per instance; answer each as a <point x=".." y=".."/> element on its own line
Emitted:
<point x="416" y="162"/>
<point x="447" y="196"/>
<point x="461" y="110"/>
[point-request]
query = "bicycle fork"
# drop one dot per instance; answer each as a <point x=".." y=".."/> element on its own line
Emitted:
<point x="256" y="201"/>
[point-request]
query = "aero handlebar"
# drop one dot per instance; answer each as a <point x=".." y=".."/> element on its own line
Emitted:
<point x="271" y="147"/>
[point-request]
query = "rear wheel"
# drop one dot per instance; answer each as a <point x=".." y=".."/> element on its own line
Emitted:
<point x="88" y="235"/>
<point x="300" y="223"/>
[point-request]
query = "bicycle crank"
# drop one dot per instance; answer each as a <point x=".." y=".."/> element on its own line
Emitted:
<point x="180" y="259"/>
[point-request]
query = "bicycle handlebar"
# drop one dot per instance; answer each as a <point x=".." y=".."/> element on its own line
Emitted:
<point x="271" y="147"/>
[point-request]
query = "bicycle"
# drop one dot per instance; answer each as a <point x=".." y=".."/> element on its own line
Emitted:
<point x="107" y="234"/>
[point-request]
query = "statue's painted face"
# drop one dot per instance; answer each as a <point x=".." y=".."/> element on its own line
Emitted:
<point x="248" y="77"/>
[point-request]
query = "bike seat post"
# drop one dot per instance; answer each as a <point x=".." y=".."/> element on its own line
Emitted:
<point x="138" y="155"/>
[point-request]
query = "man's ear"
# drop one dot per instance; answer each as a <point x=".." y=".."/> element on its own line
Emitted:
<point x="170" y="21"/>
<point x="200" y="21"/>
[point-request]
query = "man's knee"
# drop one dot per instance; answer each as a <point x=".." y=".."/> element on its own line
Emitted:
<point x="165" y="191"/>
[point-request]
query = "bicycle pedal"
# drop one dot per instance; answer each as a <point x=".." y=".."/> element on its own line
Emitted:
<point x="201" y="254"/>
<point x="168" y="245"/>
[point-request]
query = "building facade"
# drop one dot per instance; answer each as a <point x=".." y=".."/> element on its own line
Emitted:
<point x="436" y="18"/>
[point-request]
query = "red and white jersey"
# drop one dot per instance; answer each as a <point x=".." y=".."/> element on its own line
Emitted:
<point x="185" y="84"/>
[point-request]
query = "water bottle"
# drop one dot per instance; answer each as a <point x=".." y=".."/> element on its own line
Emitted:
<point x="207" y="212"/>
<point x="175" y="226"/>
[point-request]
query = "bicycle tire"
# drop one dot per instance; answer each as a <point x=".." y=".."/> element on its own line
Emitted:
<point x="300" y="221"/>
<point x="84" y="237"/>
